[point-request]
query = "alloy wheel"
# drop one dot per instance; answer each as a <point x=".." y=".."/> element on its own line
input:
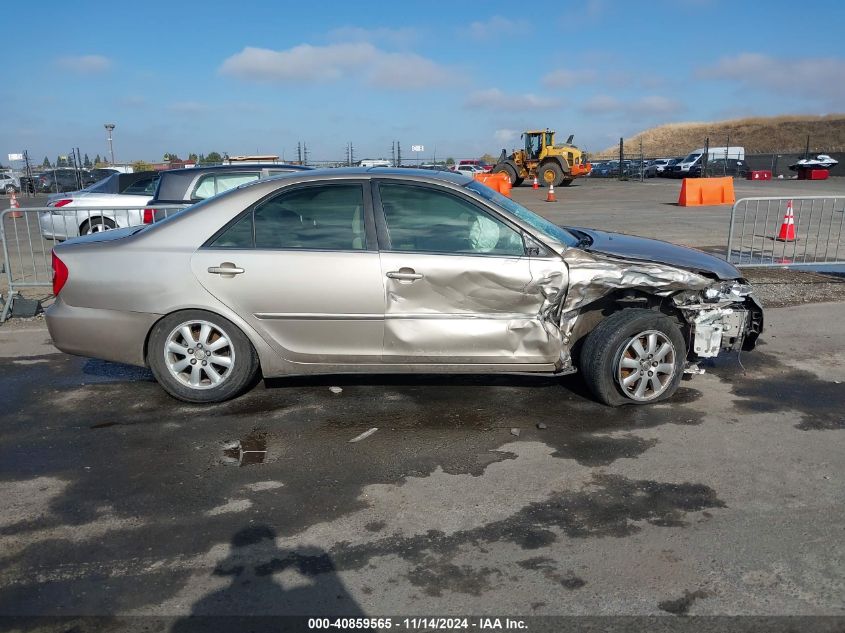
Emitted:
<point x="646" y="365"/>
<point x="199" y="354"/>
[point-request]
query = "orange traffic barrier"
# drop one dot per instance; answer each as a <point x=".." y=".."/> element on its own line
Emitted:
<point x="787" y="227"/>
<point x="696" y="192"/>
<point x="497" y="182"/>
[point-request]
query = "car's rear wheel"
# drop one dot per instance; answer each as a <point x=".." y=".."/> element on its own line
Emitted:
<point x="634" y="356"/>
<point x="197" y="356"/>
<point x="96" y="225"/>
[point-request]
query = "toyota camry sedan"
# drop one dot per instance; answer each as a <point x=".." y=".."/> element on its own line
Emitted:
<point x="392" y="270"/>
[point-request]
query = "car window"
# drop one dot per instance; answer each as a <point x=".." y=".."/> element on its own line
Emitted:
<point x="212" y="184"/>
<point x="142" y="186"/>
<point x="537" y="222"/>
<point x="329" y="217"/>
<point x="426" y="220"/>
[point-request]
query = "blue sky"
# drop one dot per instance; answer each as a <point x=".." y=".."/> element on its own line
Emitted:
<point x="463" y="78"/>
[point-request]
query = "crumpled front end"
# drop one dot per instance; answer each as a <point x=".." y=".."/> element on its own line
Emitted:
<point x="720" y="315"/>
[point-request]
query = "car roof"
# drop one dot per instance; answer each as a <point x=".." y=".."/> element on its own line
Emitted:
<point x="235" y="167"/>
<point x="346" y="172"/>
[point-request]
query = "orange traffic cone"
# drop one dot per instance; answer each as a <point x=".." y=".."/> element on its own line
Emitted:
<point x="536" y="184"/>
<point x="787" y="227"/>
<point x="14" y="204"/>
<point x="550" y="197"/>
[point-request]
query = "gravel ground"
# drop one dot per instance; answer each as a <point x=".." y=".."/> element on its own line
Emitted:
<point x="778" y="287"/>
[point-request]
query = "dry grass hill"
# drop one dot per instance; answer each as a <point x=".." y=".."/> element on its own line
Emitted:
<point x="759" y="135"/>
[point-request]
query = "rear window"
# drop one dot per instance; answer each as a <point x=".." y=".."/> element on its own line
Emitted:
<point x="144" y="186"/>
<point x="212" y="184"/>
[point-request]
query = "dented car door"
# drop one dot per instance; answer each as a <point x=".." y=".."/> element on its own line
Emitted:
<point x="460" y="285"/>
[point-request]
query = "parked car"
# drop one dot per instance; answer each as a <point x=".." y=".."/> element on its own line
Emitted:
<point x="720" y="167"/>
<point x="9" y="183"/>
<point x="71" y="213"/>
<point x="469" y="170"/>
<point x="482" y="166"/>
<point x="655" y="167"/>
<point x="667" y="170"/>
<point x="62" y="180"/>
<point x="392" y="270"/>
<point x="187" y="186"/>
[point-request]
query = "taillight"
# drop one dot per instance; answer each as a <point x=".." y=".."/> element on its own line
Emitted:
<point x="60" y="275"/>
<point x="148" y="216"/>
<point x="60" y="203"/>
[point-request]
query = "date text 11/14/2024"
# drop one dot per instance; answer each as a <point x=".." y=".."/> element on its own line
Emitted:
<point x="418" y="624"/>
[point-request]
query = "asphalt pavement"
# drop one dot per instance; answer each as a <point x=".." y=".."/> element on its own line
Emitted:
<point x="476" y="495"/>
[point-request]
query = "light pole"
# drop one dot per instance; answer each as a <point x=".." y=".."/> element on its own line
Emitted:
<point x="109" y="129"/>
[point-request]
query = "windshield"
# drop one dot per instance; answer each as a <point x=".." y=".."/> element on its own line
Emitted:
<point x="529" y="217"/>
<point x="692" y="158"/>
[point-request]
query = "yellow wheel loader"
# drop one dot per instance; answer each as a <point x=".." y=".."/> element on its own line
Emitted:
<point x="552" y="164"/>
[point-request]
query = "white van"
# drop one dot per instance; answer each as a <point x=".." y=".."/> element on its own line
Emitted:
<point x="367" y="162"/>
<point x="713" y="153"/>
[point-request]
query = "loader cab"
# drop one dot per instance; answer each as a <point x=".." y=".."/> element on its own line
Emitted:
<point x="533" y="144"/>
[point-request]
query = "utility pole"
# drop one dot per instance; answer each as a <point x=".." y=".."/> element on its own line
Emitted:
<point x="305" y="152"/>
<point x="298" y="153"/>
<point x="621" y="155"/>
<point x="393" y="153"/>
<point x="705" y="157"/>
<point x="109" y="129"/>
<point x="30" y="182"/>
<point x="642" y="175"/>
<point x="398" y="154"/>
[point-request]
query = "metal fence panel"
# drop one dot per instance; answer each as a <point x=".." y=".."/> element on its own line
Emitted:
<point x="756" y="223"/>
<point x="27" y="237"/>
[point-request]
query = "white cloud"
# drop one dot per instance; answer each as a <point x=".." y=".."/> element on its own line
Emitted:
<point x="496" y="26"/>
<point x="650" y="106"/>
<point x="495" y="99"/>
<point x="505" y="136"/>
<point x="84" y="64"/>
<point x="311" y="64"/>
<point x="816" y="79"/>
<point x="564" y="78"/>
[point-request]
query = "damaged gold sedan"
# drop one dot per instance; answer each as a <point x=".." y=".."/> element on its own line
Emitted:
<point x="379" y="271"/>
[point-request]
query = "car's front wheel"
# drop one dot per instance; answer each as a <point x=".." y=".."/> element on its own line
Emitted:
<point x="197" y="356"/>
<point x="634" y="356"/>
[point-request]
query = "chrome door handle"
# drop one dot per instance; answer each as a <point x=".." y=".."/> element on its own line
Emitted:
<point x="227" y="269"/>
<point x="404" y="274"/>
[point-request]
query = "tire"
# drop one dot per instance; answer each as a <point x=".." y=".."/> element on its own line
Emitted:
<point x="613" y="339"/>
<point x="10" y="189"/>
<point x="95" y="225"/>
<point x="183" y="375"/>
<point x="518" y="182"/>
<point x="550" y="173"/>
<point x="507" y="169"/>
